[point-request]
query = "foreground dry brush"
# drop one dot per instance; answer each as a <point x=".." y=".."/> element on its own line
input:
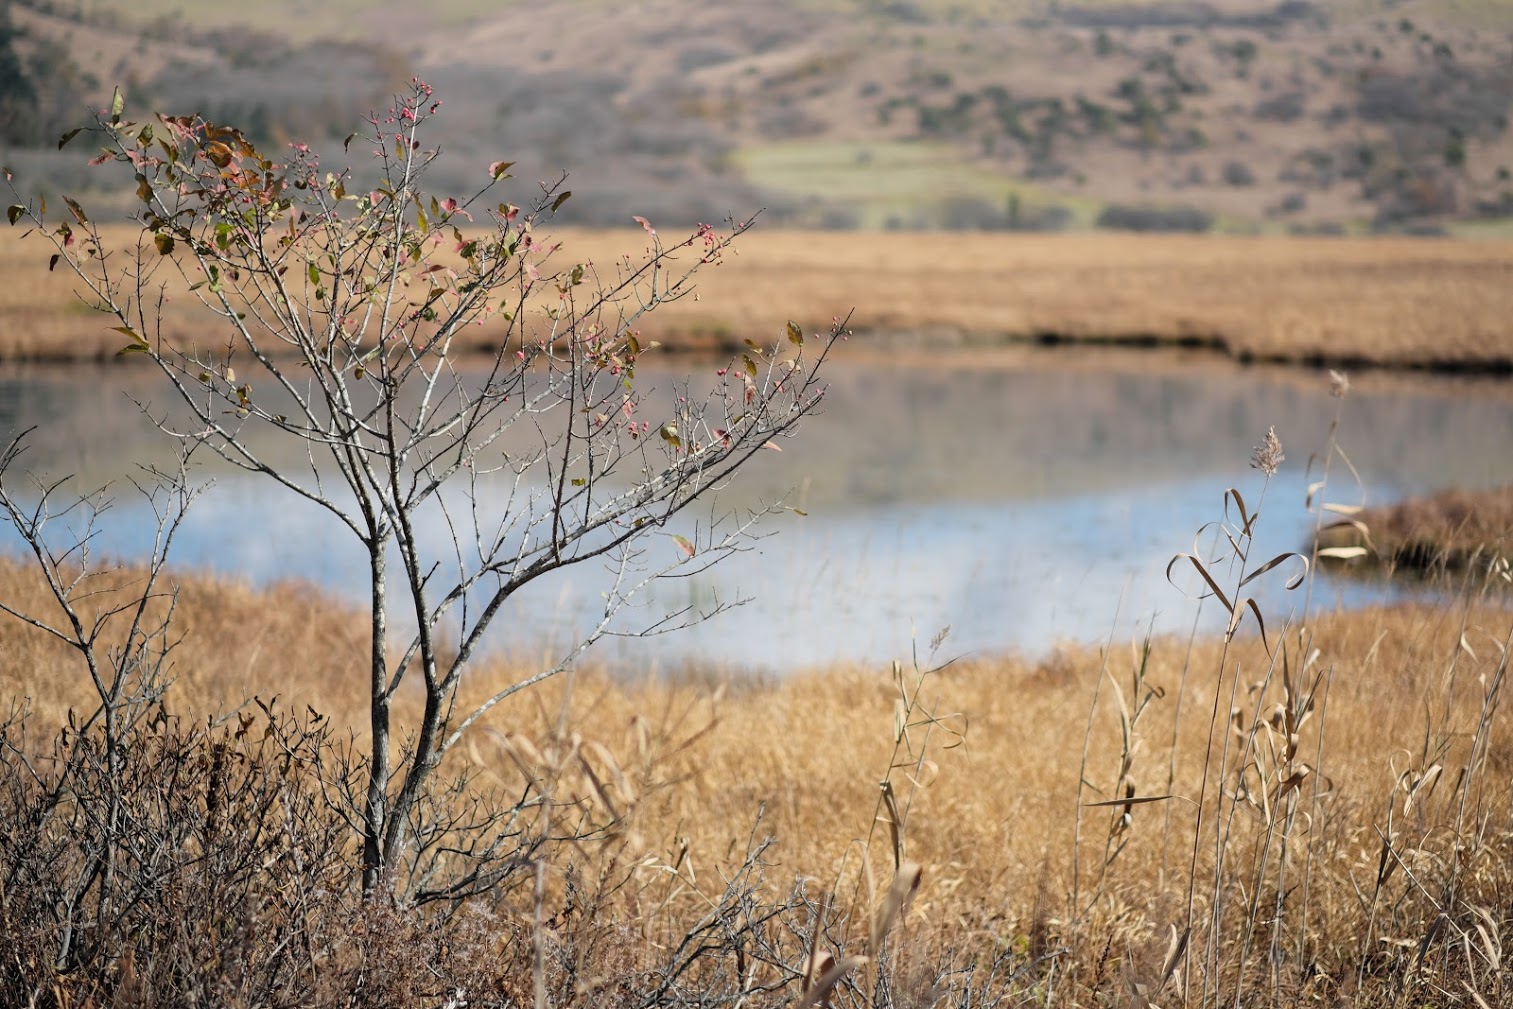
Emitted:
<point x="682" y="844"/>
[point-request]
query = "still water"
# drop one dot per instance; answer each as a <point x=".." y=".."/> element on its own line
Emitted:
<point x="1021" y="497"/>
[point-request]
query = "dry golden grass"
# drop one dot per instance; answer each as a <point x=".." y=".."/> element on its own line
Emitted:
<point x="235" y="642"/>
<point x="994" y="820"/>
<point x="1397" y="302"/>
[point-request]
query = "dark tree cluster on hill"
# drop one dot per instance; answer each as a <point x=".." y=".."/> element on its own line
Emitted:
<point x="37" y="89"/>
<point x="1143" y="111"/>
<point x="1430" y="113"/>
<point x="309" y="93"/>
<point x="18" y="99"/>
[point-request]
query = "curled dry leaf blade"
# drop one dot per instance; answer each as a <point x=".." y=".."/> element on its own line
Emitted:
<point x="1260" y="623"/>
<point x="1174" y="951"/>
<point x="1245" y="517"/>
<point x="597" y="786"/>
<point x="1132" y="800"/>
<point x="1203" y="571"/>
<point x="826" y="982"/>
<point x="816" y="966"/>
<point x="608" y="762"/>
<point x="905" y="885"/>
<point x="895" y="825"/>
<point x="1276" y="561"/>
<point x="1349" y="523"/>
<point x="1343" y="553"/>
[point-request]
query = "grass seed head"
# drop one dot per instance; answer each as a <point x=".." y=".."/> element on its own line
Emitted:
<point x="1267" y="456"/>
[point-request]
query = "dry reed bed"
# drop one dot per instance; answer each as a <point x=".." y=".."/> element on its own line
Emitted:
<point x="1392" y="302"/>
<point x="1399" y="697"/>
<point x="1452" y="530"/>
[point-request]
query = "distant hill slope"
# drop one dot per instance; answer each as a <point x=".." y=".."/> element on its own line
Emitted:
<point x="1033" y="114"/>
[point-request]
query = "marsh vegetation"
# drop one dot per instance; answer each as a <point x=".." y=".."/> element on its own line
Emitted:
<point x="1168" y="756"/>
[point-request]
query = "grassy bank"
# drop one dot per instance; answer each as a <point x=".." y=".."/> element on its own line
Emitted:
<point x="1412" y="303"/>
<point x="1453" y="530"/>
<point x="1355" y="846"/>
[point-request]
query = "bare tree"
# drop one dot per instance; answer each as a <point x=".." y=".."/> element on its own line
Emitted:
<point x="347" y="311"/>
<point x="122" y="635"/>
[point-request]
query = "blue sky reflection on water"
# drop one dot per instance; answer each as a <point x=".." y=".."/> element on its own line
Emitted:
<point x="1022" y="504"/>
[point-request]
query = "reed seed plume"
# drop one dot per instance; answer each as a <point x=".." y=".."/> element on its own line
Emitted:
<point x="1267" y="456"/>
<point x="1339" y="384"/>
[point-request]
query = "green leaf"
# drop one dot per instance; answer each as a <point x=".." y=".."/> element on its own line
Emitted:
<point x="76" y="210"/>
<point x="164" y="242"/>
<point x="138" y="344"/>
<point x="14" y="212"/>
<point x="314" y="274"/>
<point x="65" y="138"/>
<point x="561" y="199"/>
<point x="578" y="481"/>
<point x="795" y="334"/>
<point x="145" y="137"/>
<point x="499" y="170"/>
<point x="117" y="105"/>
<point x="751" y="368"/>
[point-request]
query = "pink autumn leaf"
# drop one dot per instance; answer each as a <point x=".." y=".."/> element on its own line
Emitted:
<point x="683" y="545"/>
<point x="644" y="223"/>
<point x="451" y="206"/>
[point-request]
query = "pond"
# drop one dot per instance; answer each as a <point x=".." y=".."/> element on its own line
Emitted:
<point x="1021" y="497"/>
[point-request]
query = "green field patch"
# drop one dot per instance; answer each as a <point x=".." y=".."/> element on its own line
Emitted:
<point x="900" y="183"/>
<point x="1498" y="229"/>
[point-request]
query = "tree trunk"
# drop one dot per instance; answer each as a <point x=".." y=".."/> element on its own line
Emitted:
<point x="376" y="812"/>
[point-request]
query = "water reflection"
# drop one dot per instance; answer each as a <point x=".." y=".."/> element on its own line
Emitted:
<point x="1021" y="498"/>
